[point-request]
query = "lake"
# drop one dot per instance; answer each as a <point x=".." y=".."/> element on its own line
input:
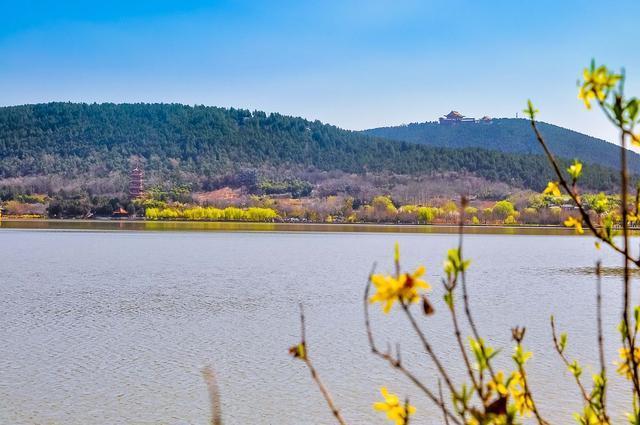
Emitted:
<point x="114" y="327"/>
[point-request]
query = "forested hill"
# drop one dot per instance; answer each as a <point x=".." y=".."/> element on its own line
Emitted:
<point x="79" y="141"/>
<point x="510" y="135"/>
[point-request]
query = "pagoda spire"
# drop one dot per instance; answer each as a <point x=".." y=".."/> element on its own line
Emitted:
<point x="136" y="182"/>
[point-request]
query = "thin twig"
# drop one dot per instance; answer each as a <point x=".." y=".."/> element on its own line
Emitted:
<point x="214" y="395"/>
<point x="406" y="411"/>
<point x="566" y="362"/>
<point x="314" y="374"/>
<point x="427" y="347"/>
<point x="444" y="412"/>
<point x="603" y="369"/>
<point x="465" y="357"/>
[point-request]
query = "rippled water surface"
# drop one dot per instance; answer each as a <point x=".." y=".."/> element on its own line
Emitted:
<point x="114" y="327"/>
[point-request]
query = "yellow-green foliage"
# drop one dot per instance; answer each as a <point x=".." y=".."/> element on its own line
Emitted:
<point x="503" y="209"/>
<point x="212" y="214"/>
<point x="384" y="204"/>
<point x="408" y="214"/>
<point x="601" y="203"/>
<point x="409" y="209"/>
<point x="152" y="213"/>
<point x="233" y="214"/>
<point x="470" y="211"/>
<point x="449" y="207"/>
<point x="426" y="215"/>
<point x="168" y="213"/>
<point x="261" y="214"/>
<point x="510" y="220"/>
<point x="380" y="210"/>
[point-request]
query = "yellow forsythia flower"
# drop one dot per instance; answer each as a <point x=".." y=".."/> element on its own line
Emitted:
<point x="586" y="96"/>
<point x="575" y="169"/>
<point x="523" y="401"/>
<point x="624" y="368"/>
<point x="597" y="83"/>
<point x="552" y="189"/>
<point x="574" y="222"/>
<point x="590" y="417"/>
<point x="405" y="288"/>
<point x="396" y="411"/>
<point x="498" y="385"/>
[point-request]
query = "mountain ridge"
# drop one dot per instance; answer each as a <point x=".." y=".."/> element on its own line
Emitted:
<point x="195" y="145"/>
<point x="510" y="135"/>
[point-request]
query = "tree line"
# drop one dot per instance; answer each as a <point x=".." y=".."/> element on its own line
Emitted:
<point x="196" y="144"/>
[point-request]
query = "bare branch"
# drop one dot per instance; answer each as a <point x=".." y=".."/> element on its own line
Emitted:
<point x="314" y="374"/>
<point x="214" y="395"/>
<point x="444" y="412"/>
<point x="566" y="362"/>
<point x="603" y="368"/>
<point x="427" y="347"/>
<point x="465" y="357"/>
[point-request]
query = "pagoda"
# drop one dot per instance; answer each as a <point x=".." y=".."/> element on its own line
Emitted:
<point x="136" y="183"/>
<point x="455" y="117"/>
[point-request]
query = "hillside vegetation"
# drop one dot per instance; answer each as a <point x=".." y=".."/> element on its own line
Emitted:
<point x="197" y="145"/>
<point x="510" y="135"/>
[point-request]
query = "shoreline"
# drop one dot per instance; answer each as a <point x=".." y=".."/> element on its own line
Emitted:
<point x="242" y="226"/>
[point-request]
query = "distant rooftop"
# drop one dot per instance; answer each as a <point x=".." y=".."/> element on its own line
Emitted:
<point x="455" y="117"/>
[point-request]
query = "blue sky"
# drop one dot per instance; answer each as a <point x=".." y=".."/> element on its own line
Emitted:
<point x="355" y="64"/>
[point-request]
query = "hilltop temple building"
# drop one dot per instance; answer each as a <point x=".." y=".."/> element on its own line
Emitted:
<point x="455" y="117"/>
<point x="136" y="183"/>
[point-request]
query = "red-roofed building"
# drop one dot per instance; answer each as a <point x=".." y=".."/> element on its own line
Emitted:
<point x="455" y="117"/>
<point x="120" y="213"/>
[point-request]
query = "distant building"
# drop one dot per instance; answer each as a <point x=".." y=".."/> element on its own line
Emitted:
<point x="120" y="213"/>
<point x="486" y="119"/>
<point x="136" y="183"/>
<point x="455" y="117"/>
